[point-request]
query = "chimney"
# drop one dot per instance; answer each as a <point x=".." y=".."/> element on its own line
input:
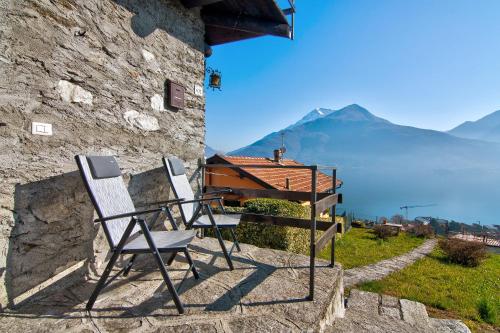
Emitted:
<point x="277" y="155"/>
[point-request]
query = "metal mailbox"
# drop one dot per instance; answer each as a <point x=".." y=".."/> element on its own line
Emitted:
<point x="175" y="95"/>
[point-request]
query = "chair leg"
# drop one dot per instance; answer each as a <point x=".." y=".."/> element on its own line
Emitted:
<point x="233" y="234"/>
<point x="161" y="266"/>
<point x="191" y="264"/>
<point x="215" y="228"/>
<point x="116" y="253"/>
<point x="171" y="259"/>
<point x="129" y="265"/>
<point x="223" y="247"/>
<point x="102" y="281"/>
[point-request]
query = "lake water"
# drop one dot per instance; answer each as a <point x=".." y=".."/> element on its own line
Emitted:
<point x="461" y="196"/>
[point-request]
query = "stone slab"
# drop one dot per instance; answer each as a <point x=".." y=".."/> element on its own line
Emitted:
<point x="413" y="312"/>
<point x="358" y="320"/>
<point x="266" y="291"/>
<point x="448" y="326"/>
<point x="363" y="301"/>
<point x="390" y="312"/>
<point x="390" y="301"/>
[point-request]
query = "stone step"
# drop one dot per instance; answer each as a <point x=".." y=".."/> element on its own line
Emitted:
<point x="371" y="312"/>
<point x="448" y="326"/>
<point x="413" y="312"/>
<point x="363" y="301"/>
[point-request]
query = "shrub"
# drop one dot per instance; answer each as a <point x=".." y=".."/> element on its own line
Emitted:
<point x="385" y="231"/>
<point x="463" y="252"/>
<point x="276" y="207"/>
<point x="422" y="231"/>
<point x="275" y="237"/>
<point x="487" y="311"/>
<point x="358" y="224"/>
<point x="269" y="236"/>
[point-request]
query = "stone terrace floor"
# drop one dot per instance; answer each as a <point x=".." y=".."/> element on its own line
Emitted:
<point x="265" y="292"/>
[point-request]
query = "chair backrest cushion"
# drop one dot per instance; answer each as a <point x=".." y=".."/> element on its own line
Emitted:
<point x="180" y="186"/>
<point x="103" y="167"/>
<point x="176" y="166"/>
<point x="109" y="194"/>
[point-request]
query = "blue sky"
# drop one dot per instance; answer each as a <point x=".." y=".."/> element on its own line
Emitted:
<point x="425" y="63"/>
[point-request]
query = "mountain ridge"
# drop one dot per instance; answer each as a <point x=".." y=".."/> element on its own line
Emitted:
<point x="385" y="165"/>
<point x="486" y="128"/>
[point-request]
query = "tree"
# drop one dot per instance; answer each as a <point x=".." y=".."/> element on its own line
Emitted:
<point x="397" y="219"/>
<point x="382" y="220"/>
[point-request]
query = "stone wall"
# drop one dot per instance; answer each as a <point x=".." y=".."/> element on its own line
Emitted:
<point x="95" y="70"/>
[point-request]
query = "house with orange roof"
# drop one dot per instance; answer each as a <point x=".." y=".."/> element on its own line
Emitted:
<point x="257" y="178"/>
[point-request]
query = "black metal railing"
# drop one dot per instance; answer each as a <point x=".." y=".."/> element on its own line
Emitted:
<point x="320" y="202"/>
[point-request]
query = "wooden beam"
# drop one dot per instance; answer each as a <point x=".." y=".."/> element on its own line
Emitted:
<point x="265" y="193"/>
<point x="327" y="203"/>
<point x="326" y="237"/>
<point x="247" y="24"/>
<point x="284" y="221"/>
<point x="198" y="3"/>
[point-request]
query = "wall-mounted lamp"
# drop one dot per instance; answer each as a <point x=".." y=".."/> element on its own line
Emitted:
<point x="215" y="79"/>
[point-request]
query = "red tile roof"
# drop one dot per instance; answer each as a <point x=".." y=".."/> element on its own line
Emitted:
<point x="300" y="179"/>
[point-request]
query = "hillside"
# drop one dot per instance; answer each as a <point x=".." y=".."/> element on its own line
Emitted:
<point x="352" y="136"/>
<point x="486" y="128"/>
<point x="385" y="165"/>
<point x="209" y="151"/>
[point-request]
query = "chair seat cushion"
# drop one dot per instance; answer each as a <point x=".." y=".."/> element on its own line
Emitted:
<point x="222" y="221"/>
<point x="166" y="240"/>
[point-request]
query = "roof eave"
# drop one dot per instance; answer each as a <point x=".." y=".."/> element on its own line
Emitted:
<point x="228" y="21"/>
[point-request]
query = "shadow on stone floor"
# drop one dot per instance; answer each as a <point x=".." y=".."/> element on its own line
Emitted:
<point x="61" y="302"/>
<point x="53" y="230"/>
<point x="266" y="289"/>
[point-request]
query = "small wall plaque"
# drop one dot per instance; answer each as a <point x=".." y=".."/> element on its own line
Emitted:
<point x="41" y="129"/>
<point x="198" y="90"/>
<point x="175" y="95"/>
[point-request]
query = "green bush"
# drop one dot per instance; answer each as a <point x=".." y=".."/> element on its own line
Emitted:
<point x="267" y="236"/>
<point x="383" y="231"/>
<point x="275" y="237"/>
<point x="277" y="208"/>
<point x="358" y="224"/>
<point x="422" y="231"/>
<point x="487" y="311"/>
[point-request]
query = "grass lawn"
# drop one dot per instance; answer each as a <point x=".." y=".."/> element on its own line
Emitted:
<point x="449" y="290"/>
<point x="360" y="247"/>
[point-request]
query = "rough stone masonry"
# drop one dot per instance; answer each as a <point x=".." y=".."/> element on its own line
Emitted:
<point x="95" y="70"/>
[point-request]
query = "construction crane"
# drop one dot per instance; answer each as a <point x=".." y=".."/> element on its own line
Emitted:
<point x="414" y="206"/>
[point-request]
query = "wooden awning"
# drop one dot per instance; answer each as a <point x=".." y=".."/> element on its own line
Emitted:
<point x="233" y="20"/>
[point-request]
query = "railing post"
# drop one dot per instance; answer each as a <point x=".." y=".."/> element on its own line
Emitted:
<point x="203" y="170"/>
<point x="202" y="178"/>
<point x="314" y="174"/>
<point x="333" y="213"/>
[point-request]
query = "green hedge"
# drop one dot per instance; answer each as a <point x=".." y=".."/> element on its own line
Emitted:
<point x="267" y="236"/>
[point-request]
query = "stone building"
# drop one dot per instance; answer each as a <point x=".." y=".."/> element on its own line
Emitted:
<point x="97" y="72"/>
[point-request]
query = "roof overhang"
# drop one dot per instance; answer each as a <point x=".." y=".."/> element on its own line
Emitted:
<point x="233" y="20"/>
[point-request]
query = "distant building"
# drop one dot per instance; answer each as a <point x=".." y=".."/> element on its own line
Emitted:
<point x="423" y="220"/>
<point x="254" y="178"/>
